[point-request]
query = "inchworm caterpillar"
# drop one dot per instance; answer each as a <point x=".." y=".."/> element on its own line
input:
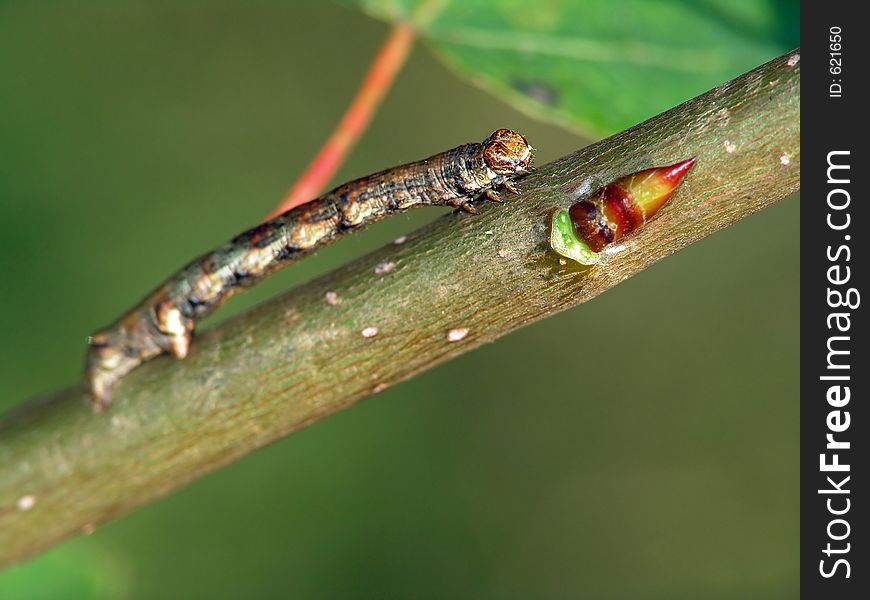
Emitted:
<point x="613" y="211"/>
<point x="165" y="319"/>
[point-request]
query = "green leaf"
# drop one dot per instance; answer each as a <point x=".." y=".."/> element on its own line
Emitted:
<point x="599" y="66"/>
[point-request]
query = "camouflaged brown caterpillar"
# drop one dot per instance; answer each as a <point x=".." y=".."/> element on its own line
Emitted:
<point x="164" y="321"/>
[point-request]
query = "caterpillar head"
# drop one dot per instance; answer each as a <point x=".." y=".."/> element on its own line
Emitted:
<point x="507" y="153"/>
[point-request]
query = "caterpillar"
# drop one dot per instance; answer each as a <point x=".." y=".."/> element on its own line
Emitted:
<point x="608" y="214"/>
<point x="164" y="321"/>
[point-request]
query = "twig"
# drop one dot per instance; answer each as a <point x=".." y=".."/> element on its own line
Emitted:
<point x="456" y="284"/>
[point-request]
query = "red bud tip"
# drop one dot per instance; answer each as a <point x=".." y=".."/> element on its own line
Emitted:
<point x="674" y="173"/>
<point x="650" y="189"/>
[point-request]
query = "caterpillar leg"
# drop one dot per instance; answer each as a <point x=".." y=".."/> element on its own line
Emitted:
<point x="493" y="195"/>
<point x="104" y="365"/>
<point x="137" y="337"/>
<point x="177" y="328"/>
<point x="109" y="359"/>
<point x="509" y="186"/>
<point x="465" y="204"/>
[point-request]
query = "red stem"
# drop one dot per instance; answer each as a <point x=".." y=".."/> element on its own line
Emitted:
<point x="386" y="65"/>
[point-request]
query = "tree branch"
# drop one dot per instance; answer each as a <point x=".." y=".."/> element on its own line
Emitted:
<point x="298" y="358"/>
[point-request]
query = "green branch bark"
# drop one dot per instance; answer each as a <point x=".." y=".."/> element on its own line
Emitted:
<point x="298" y="358"/>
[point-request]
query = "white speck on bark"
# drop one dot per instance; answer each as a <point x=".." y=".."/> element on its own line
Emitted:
<point x="384" y="267"/>
<point x="26" y="502"/>
<point x="369" y="332"/>
<point x="454" y="335"/>
<point x="332" y="298"/>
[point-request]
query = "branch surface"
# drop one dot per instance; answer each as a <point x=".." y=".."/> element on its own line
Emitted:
<point x="456" y="284"/>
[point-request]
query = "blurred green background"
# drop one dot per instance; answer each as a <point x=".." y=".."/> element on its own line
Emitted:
<point x="135" y="135"/>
